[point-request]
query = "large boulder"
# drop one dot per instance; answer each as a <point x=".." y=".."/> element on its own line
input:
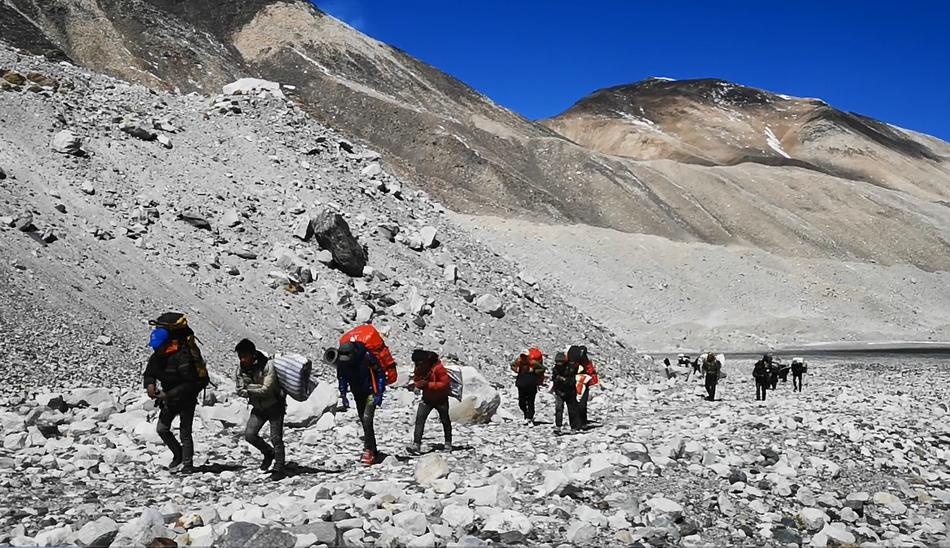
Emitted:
<point x="306" y="413"/>
<point x="143" y="529"/>
<point x="98" y="534"/>
<point x="479" y="401"/>
<point x="67" y="142"/>
<point x="430" y="468"/>
<point x="252" y="86"/>
<point x="333" y="234"/>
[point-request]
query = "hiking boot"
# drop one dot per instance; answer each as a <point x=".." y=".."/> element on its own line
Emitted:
<point x="368" y="457"/>
<point x="277" y="475"/>
<point x="268" y="460"/>
<point x="187" y="470"/>
<point x="414" y="448"/>
<point x="557" y="429"/>
<point x="448" y="446"/>
<point x="175" y="463"/>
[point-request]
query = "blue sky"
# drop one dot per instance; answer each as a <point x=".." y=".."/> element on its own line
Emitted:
<point x="886" y="60"/>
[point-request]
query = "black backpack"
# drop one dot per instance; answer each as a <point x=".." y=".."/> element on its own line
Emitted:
<point x="577" y="354"/>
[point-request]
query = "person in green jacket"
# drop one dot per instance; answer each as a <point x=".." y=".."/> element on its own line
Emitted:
<point x="257" y="381"/>
<point x="713" y="367"/>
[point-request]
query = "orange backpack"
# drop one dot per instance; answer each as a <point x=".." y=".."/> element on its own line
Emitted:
<point x="370" y="337"/>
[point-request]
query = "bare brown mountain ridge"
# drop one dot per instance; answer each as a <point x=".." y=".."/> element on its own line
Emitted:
<point x="697" y="164"/>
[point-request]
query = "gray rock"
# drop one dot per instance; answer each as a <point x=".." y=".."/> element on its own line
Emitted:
<point x="428" y="236"/>
<point x="333" y="234"/>
<point x="238" y="535"/>
<point x="371" y="171"/>
<point x="303" y="228"/>
<point x="230" y="218"/>
<point x="165" y="141"/>
<point x="325" y="532"/>
<point x="413" y="522"/>
<point x="490" y="304"/>
<point x="194" y="220"/>
<point x="430" y="468"/>
<point x="98" y="534"/>
<point x="67" y="142"/>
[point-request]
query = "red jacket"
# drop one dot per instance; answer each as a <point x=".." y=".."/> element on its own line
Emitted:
<point x="591" y="372"/>
<point x="436" y="390"/>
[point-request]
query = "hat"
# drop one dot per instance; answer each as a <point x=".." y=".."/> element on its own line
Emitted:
<point x="158" y="338"/>
<point x="535" y="354"/>
<point x="346" y="353"/>
<point x="560" y="357"/>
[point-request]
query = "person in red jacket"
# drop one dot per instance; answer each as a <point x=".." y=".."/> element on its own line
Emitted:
<point x="432" y="379"/>
<point x="577" y="355"/>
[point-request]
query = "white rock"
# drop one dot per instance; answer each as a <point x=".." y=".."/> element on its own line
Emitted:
<point x="805" y="496"/>
<point x="489" y="495"/>
<point x="479" y="401"/>
<point x="430" y="468"/>
<point x="427" y="235"/>
<point x="507" y="521"/>
<point x="324" y="397"/>
<point x="726" y="505"/>
<point x="813" y="518"/>
<point x="371" y="170"/>
<point x="15" y="441"/>
<point x="326" y="422"/>
<point x="57" y="536"/>
<point x="250" y="86"/>
<point x="143" y="529"/>
<point x="661" y="505"/>
<point x="165" y="141"/>
<point x="837" y="532"/>
<point x="415" y="523"/>
<point x="457" y="516"/>
<point x="581" y="533"/>
<point x="67" y="142"/>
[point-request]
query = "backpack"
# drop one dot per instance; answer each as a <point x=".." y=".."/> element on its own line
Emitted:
<point x="177" y="325"/>
<point x="293" y="374"/>
<point x="373" y="341"/>
<point x="455" y="382"/>
<point x="577" y="354"/>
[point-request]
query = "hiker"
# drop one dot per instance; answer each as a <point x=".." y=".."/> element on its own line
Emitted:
<point x="358" y="371"/>
<point x="783" y="371"/>
<point x="587" y="376"/>
<point x="564" y="386"/>
<point x="712" y="367"/>
<point x="529" y="368"/>
<point x="762" y="373"/>
<point x="696" y="365"/>
<point x="799" y="368"/>
<point x="432" y="379"/>
<point x="175" y="364"/>
<point x="773" y="373"/>
<point x="256" y="380"/>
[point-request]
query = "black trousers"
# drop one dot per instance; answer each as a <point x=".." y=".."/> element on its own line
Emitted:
<point x="711" y="380"/>
<point x="367" y="412"/>
<point x="582" y="407"/>
<point x="186" y="411"/>
<point x="275" y="416"/>
<point x="761" y="387"/>
<point x="797" y="381"/>
<point x="573" y="416"/>
<point x="526" y="397"/>
<point x="422" y="414"/>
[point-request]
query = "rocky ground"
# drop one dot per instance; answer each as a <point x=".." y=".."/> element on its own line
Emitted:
<point x="859" y="458"/>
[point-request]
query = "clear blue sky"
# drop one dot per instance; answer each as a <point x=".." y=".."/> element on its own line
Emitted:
<point x="886" y="60"/>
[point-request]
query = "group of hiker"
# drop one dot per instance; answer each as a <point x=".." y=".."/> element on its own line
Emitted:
<point x="766" y="372"/>
<point x="571" y="378"/>
<point x="176" y="374"/>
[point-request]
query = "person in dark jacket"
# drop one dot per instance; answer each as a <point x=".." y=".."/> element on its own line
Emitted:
<point x="564" y="386"/>
<point x="358" y="371"/>
<point x="257" y="381"/>
<point x="762" y="373"/>
<point x="713" y="368"/>
<point x="799" y="368"/>
<point x="530" y="370"/>
<point x="171" y="379"/>
<point x="587" y="376"/>
<point x="432" y="379"/>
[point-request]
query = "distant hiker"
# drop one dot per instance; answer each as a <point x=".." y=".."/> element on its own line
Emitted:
<point x="799" y="368"/>
<point x="762" y="373"/>
<point x="713" y="368"/>
<point x="529" y="368"/>
<point x="564" y="386"/>
<point x="257" y="381"/>
<point x="358" y="371"/>
<point x="783" y="371"/>
<point x="696" y="365"/>
<point x="587" y="377"/>
<point x="432" y="379"/>
<point x="175" y="375"/>
<point x="773" y="373"/>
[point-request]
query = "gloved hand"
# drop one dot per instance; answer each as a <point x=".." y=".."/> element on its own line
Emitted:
<point x="344" y="403"/>
<point x="378" y="400"/>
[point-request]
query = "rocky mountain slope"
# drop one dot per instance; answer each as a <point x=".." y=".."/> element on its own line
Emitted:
<point x="846" y="176"/>
<point x="118" y="203"/>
